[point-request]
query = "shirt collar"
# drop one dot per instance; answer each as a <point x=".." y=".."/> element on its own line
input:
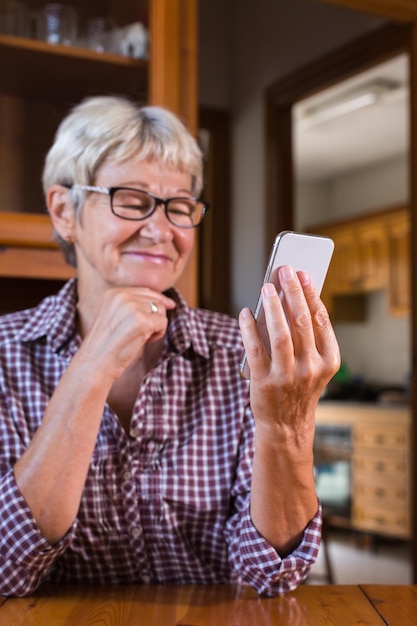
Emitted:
<point x="185" y="329"/>
<point x="54" y="318"/>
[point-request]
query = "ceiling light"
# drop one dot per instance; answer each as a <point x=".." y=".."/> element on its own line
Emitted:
<point x="344" y="103"/>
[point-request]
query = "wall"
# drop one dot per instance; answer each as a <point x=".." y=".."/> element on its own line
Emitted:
<point x="215" y="41"/>
<point x="381" y="185"/>
<point x="377" y="350"/>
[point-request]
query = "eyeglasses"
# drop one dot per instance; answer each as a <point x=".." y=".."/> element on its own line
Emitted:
<point x="136" y="205"/>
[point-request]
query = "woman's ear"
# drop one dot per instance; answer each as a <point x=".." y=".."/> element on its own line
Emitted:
<point x="61" y="211"/>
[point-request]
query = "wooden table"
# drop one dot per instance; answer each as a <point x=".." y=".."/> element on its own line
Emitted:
<point x="212" y="605"/>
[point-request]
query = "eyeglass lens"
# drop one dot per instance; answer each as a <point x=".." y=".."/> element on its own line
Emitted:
<point x="132" y="204"/>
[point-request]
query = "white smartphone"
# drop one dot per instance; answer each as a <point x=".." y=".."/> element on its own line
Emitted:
<point x="310" y="253"/>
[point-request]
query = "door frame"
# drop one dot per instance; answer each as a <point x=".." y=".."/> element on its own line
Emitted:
<point x="283" y="95"/>
<point x="214" y="237"/>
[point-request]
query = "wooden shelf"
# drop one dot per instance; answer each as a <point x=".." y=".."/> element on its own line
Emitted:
<point x="27" y="248"/>
<point x="45" y="264"/>
<point x="67" y="72"/>
<point x="26" y="230"/>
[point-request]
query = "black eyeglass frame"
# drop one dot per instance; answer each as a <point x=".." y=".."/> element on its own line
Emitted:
<point x="110" y="191"/>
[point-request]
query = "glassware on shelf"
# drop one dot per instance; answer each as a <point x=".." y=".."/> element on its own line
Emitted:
<point x="56" y="23"/>
<point x="100" y="34"/>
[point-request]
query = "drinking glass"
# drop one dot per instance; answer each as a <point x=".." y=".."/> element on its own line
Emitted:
<point x="99" y="34"/>
<point x="57" y="24"/>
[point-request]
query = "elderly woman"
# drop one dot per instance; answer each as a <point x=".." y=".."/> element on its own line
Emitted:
<point x="131" y="450"/>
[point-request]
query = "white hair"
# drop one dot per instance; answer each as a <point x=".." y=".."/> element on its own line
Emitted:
<point x="105" y="128"/>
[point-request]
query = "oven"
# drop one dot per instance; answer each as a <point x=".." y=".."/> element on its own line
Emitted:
<point x="332" y="467"/>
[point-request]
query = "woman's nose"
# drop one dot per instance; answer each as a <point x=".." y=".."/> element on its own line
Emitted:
<point x="158" y="224"/>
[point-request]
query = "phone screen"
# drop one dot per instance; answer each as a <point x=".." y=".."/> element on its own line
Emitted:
<point x="310" y="253"/>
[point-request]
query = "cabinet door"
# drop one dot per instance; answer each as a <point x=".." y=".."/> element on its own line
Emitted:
<point x="373" y="245"/>
<point x="369" y="255"/>
<point x="344" y="275"/>
<point x="399" y="264"/>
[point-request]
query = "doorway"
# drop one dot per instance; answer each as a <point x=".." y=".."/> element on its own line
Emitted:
<point x="282" y="96"/>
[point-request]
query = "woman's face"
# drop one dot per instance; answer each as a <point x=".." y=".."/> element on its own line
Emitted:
<point x="113" y="252"/>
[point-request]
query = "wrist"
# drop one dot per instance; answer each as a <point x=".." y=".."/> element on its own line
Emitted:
<point x="285" y="438"/>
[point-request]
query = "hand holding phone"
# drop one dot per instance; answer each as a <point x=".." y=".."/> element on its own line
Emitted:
<point x="310" y="253"/>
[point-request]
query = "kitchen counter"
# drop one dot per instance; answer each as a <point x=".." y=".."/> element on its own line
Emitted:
<point x="349" y="413"/>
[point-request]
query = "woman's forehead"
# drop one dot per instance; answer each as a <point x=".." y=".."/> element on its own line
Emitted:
<point x="136" y="169"/>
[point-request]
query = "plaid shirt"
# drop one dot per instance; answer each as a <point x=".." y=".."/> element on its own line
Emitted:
<point x="168" y="502"/>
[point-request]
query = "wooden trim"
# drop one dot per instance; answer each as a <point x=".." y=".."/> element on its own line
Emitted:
<point x="392" y="9"/>
<point x="279" y="170"/>
<point x="188" y="63"/>
<point x="214" y="277"/>
<point x="28" y="250"/>
<point x="173" y="84"/>
<point x="164" y="46"/>
<point x="413" y="273"/>
<point x="26" y="229"/>
<point x="173" y="62"/>
<point x="34" y="263"/>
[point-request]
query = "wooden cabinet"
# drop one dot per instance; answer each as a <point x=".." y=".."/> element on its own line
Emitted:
<point x="370" y="253"/>
<point x="40" y="82"/>
<point x="344" y="270"/>
<point x="373" y="254"/>
<point x="380" y="471"/>
<point x="399" y="263"/>
<point x="380" y="465"/>
<point x="360" y="262"/>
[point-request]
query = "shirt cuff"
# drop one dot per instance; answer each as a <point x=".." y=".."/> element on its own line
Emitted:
<point x="265" y="570"/>
<point x="26" y="556"/>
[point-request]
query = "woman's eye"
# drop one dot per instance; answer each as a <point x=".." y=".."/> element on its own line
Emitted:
<point x="134" y="200"/>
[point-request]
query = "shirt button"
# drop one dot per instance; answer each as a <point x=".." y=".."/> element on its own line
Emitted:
<point x="127" y="475"/>
<point x="134" y="432"/>
<point x="135" y="532"/>
<point x="146" y="579"/>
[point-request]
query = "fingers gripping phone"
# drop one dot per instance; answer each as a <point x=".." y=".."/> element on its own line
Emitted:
<point x="310" y="253"/>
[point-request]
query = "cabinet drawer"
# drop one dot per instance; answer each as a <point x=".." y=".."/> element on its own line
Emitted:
<point x="380" y="520"/>
<point x="381" y="437"/>
<point x="384" y="495"/>
<point x="392" y="469"/>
